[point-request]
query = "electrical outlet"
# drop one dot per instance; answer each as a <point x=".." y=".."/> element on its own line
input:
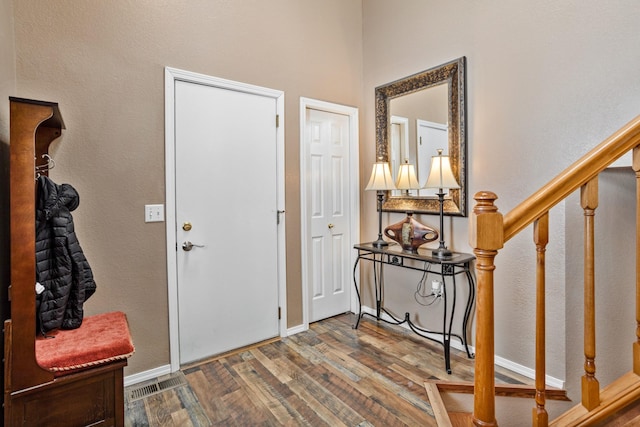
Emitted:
<point x="436" y="287"/>
<point x="153" y="213"/>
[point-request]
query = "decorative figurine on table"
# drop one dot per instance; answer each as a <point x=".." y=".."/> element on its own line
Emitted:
<point x="410" y="233"/>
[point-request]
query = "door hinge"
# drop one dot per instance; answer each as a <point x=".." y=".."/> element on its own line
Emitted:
<point x="277" y="120"/>
<point x="279" y="313"/>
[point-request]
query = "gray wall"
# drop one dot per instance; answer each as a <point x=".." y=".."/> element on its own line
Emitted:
<point x="7" y="88"/>
<point x="547" y="81"/>
<point x="615" y="278"/>
<point x="104" y="63"/>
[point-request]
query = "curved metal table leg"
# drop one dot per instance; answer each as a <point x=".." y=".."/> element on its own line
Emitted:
<point x="467" y="312"/>
<point x="355" y="284"/>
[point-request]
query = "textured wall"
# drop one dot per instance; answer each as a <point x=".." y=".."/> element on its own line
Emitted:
<point x="7" y="89"/>
<point x="7" y="67"/>
<point x="615" y="278"/>
<point x="104" y="63"/>
<point x="547" y="81"/>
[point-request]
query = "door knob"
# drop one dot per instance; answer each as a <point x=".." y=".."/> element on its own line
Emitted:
<point x="186" y="226"/>
<point x="330" y="226"/>
<point x="187" y="246"/>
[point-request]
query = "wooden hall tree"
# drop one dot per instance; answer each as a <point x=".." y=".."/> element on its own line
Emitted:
<point x="89" y="390"/>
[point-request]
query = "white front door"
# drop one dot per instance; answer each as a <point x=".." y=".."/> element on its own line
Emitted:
<point x="226" y="218"/>
<point x="327" y="209"/>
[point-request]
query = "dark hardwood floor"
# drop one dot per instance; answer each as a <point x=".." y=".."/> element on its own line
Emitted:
<point x="330" y="375"/>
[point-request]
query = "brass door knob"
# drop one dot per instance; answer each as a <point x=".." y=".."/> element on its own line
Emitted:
<point x="186" y="226"/>
<point x="330" y="226"/>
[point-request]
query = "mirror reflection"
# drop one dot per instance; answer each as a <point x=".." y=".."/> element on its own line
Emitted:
<point x="418" y="128"/>
<point x="415" y="117"/>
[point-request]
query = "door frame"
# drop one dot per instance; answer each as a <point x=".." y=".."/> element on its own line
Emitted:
<point x="171" y="76"/>
<point x="354" y="193"/>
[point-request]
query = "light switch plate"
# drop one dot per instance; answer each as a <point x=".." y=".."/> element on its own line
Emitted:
<point x="153" y="213"/>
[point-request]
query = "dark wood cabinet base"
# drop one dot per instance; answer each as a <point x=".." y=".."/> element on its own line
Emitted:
<point x="92" y="397"/>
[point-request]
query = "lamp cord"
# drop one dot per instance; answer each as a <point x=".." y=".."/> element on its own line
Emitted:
<point x="421" y="290"/>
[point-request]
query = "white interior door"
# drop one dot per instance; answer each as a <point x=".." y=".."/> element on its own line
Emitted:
<point x="328" y="268"/>
<point x="226" y="193"/>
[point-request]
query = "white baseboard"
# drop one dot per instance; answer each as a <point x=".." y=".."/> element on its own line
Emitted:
<point x="297" y="329"/>
<point x="147" y="375"/>
<point x="500" y="361"/>
<point x="528" y="372"/>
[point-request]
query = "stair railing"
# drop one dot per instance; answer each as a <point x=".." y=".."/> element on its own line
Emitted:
<point x="490" y="230"/>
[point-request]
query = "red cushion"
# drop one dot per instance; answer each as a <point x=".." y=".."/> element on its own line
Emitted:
<point x="101" y="339"/>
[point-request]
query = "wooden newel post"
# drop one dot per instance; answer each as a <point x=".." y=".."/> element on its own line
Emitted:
<point x="486" y="236"/>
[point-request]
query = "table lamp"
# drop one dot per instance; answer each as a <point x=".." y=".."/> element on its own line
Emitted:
<point x="441" y="177"/>
<point x="380" y="181"/>
<point x="407" y="179"/>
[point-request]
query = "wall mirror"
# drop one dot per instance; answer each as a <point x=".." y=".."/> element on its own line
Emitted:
<point x="415" y="116"/>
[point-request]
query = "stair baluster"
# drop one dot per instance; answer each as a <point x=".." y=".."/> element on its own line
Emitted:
<point x="541" y="239"/>
<point x="590" y="385"/>
<point x="489" y="231"/>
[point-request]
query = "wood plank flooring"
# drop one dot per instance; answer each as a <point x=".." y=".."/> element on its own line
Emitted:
<point x="330" y="375"/>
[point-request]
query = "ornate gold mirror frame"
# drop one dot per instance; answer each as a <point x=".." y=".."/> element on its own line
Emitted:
<point x="453" y="75"/>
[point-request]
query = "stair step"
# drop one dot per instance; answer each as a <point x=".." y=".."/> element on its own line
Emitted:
<point x="460" y="419"/>
<point x="439" y="410"/>
<point x="444" y="418"/>
<point x="510" y="390"/>
<point x="627" y="417"/>
<point x="613" y="398"/>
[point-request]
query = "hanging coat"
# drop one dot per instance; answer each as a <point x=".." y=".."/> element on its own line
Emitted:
<point x="61" y="267"/>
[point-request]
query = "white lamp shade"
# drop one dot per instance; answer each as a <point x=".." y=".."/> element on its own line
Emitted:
<point x="407" y="179"/>
<point x="380" y="177"/>
<point x="441" y="175"/>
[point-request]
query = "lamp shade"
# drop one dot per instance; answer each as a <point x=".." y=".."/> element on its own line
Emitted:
<point x="407" y="177"/>
<point x="380" y="177"/>
<point x="441" y="175"/>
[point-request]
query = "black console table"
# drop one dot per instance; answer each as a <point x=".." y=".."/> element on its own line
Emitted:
<point x="393" y="254"/>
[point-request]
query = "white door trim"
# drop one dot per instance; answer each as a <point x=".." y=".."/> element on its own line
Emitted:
<point x="171" y="76"/>
<point x="354" y="191"/>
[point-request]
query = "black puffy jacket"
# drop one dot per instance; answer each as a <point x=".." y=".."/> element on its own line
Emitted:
<point x="61" y="266"/>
